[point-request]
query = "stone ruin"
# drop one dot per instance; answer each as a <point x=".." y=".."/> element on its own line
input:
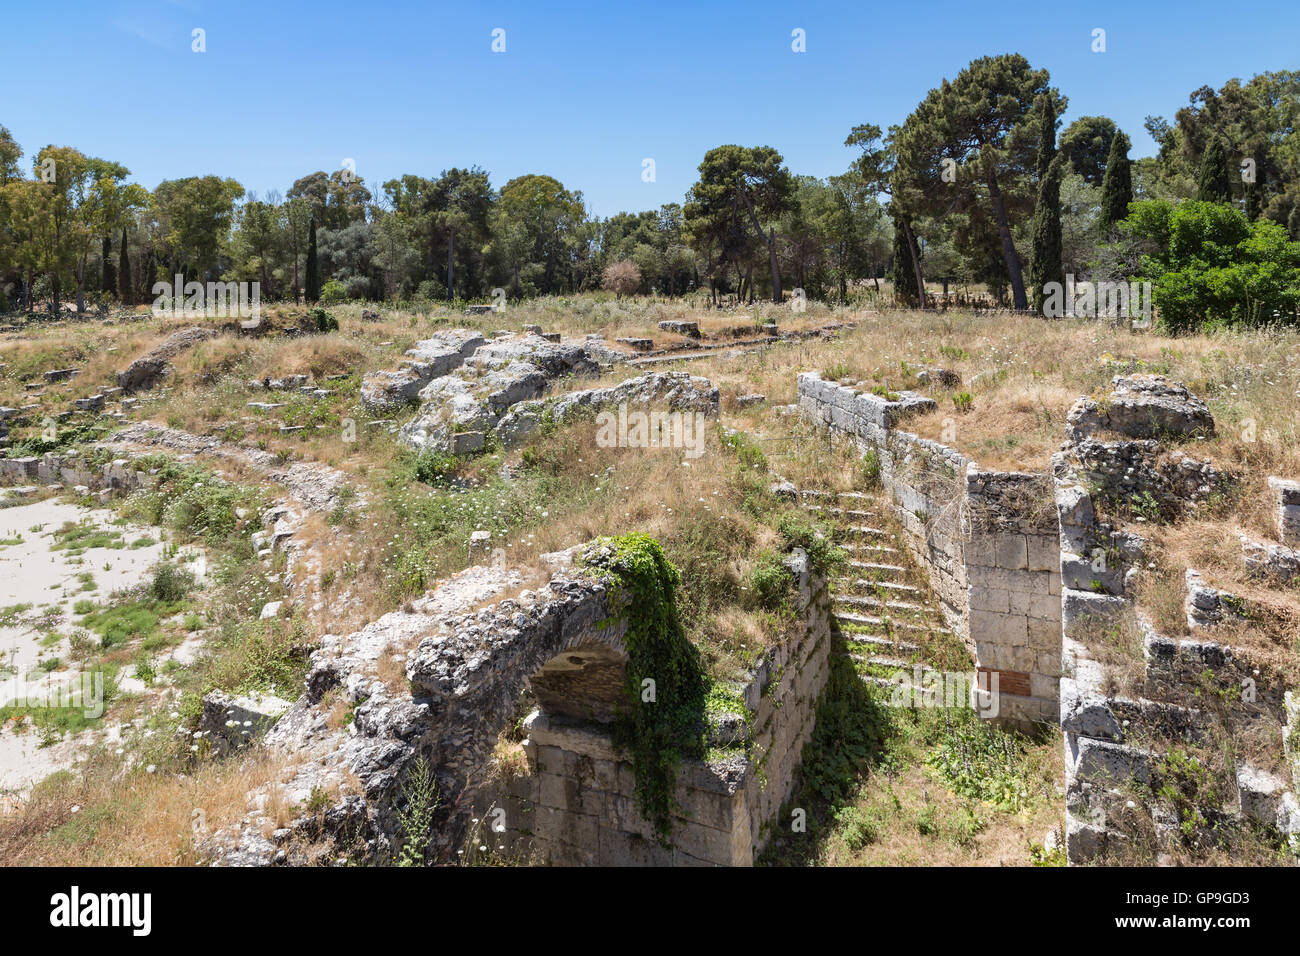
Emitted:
<point x="1028" y="585"/>
<point x="985" y="539"/>
<point x="1116" y="740"/>
<point x="149" y="369"/>
<point x="469" y="388"/>
<point x="461" y="672"/>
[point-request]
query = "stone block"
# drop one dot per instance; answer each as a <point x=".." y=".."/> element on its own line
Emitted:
<point x="1045" y="607"/>
<point x="1044" y="552"/>
<point x="991" y="627"/>
<point x="1008" y="551"/>
<point x="989" y="599"/>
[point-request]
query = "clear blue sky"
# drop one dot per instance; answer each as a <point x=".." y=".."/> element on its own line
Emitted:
<point x="583" y="92"/>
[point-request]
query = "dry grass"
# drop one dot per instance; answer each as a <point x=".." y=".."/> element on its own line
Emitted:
<point x="101" y="816"/>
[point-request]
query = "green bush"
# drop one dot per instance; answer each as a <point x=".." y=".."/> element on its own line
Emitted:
<point x="1210" y="265"/>
<point x="770" y="582"/>
<point x="870" y="469"/>
<point x="325" y="321"/>
<point x="170" y="584"/>
<point x="333" y="292"/>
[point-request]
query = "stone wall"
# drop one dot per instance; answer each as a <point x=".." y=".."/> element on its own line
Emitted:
<point x="988" y="540"/>
<point x="1120" y="719"/>
<point x="118" y="476"/>
<point x="576" y="805"/>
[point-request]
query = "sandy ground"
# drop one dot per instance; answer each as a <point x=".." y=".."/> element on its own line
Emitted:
<point x="32" y="573"/>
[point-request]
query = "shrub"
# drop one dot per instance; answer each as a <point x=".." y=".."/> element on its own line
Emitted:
<point x="325" y="321"/>
<point x="770" y="581"/>
<point x="333" y="292"/>
<point x="1211" y="265"/>
<point x="622" y="278"/>
<point x="870" y="469"/>
<point x="170" y="584"/>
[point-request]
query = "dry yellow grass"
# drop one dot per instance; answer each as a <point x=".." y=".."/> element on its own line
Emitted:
<point x="99" y="816"/>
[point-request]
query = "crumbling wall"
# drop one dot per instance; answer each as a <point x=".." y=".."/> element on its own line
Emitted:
<point x="468" y="652"/>
<point x="577" y="805"/>
<point x="108" y="479"/>
<point x="1012" y="561"/>
<point x="1184" y="691"/>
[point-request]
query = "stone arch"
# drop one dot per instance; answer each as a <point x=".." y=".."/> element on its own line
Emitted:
<point x="568" y="647"/>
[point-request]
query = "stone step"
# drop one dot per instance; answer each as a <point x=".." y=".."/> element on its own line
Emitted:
<point x="856" y="514"/>
<point x="877" y="549"/>
<point x="861" y="601"/>
<point x="891" y="684"/>
<point x="853" y="496"/>
<point x="881" y="568"/>
<point x="869" y="584"/>
<point x="882" y="643"/>
<point x="883" y="660"/>
<point x="861" y="531"/>
<point x="888" y="624"/>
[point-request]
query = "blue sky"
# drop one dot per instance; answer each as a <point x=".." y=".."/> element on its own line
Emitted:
<point x="582" y="92"/>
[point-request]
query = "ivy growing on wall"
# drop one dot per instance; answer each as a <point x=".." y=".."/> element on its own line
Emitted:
<point x="662" y="722"/>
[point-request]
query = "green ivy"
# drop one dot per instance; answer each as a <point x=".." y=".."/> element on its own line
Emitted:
<point x="666" y="727"/>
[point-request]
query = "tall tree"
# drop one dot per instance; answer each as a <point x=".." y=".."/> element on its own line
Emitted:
<point x="312" y="291"/>
<point x="977" y="136"/>
<point x="1214" y="182"/>
<point x="743" y="186"/>
<point x="108" y="276"/>
<point x="1086" y="146"/>
<point x="876" y="171"/>
<point x="124" y="289"/>
<point x="194" y="220"/>
<point x="1117" y="185"/>
<point x="906" y="274"/>
<point x="1046" y="228"/>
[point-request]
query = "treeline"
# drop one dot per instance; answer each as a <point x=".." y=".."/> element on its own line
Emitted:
<point x="980" y="187"/>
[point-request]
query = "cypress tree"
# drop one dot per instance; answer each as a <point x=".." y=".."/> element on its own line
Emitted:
<point x="106" y="257"/>
<point x="1293" y="222"/>
<point x="1117" y="184"/>
<point x="1045" y="262"/>
<point x="151" y="272"/>
<point x="1046" y="135"/>
<point x="124" y="291"/>
<point x="903" y="273"/>
<point x="312" y="281"/>
<point x="1213" y="183"/>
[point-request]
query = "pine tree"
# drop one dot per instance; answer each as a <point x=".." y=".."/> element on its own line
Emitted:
<point x="1045" y="262"/>
<point x="1117" y="184"/>
<point x="312" y="281"/>
<point x="1214" y="183"/>
<point x="124" y="290"/>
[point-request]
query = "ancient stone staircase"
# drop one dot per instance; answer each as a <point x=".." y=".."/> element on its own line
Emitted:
<point x="881" y="602"/>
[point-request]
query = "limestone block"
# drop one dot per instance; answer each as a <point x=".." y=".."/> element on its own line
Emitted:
<point x="991" y="627"/>
<point x="1038" y="607"/>
<point x="1009" y="551"/>
<point x="1044" y="552"/>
